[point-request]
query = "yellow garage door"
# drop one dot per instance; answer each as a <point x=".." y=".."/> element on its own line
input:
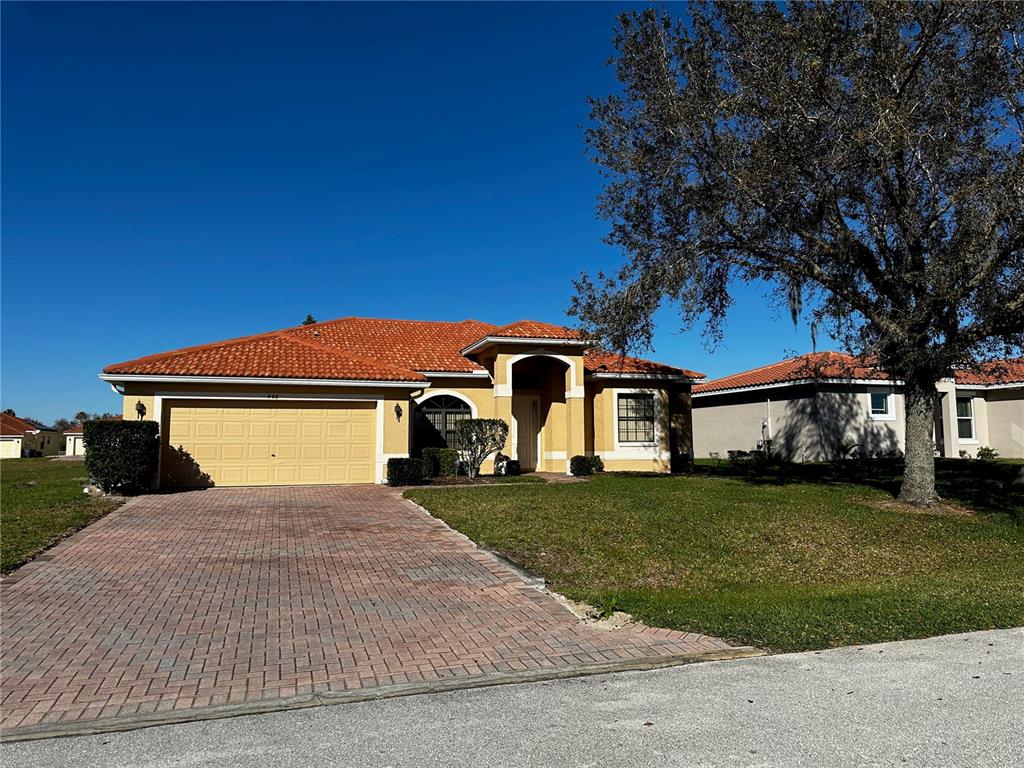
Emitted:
<point x="265" y="444"/>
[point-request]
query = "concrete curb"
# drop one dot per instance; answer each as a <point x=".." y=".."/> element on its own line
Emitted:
<point x="133" y="722"/>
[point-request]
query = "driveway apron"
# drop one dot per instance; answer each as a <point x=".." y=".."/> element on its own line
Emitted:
<point x="182" y="606"/>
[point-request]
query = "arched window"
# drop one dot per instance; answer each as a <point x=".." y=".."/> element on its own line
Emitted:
<point x="435" y="423"/>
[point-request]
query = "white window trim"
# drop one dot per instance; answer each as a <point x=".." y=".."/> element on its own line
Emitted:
<point x="644" y="450"/>
<point x="973" y="439"/>
<point x="890" y="405"/>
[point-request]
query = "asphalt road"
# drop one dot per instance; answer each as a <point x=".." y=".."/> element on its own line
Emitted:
<point x="953" y="700"/>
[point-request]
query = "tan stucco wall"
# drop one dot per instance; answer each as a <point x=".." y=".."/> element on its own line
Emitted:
<point x="47" y="443"/>
<point x="1005" y="421"/>
<point x="626" y="458"/>
<point x="804" y="423"/>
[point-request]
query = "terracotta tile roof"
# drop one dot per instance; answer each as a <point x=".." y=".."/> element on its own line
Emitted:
<point x="1009" y="371"/>
<point x="12" y="426"/>
<point x="412" y="344"/>
<point x="78" y="429"/>
<point x="270" y="355"/>
<point x="817" y="365"/>
<point x="531" y="329"/>
<point x="598" y="361"/>
<point x="838" y="365"/>
<point x="364" y="349"/>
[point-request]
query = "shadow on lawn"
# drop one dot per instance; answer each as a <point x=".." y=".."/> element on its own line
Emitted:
<point x="984" y="486"/>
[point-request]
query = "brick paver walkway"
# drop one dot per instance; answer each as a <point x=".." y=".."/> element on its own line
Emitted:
<point x="225" y="596"/>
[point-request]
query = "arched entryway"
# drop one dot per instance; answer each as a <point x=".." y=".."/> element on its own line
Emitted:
<point x="539" y="417"/>
<point x="434" y="422"/>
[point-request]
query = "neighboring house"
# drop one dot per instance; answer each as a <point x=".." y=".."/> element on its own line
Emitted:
<point x="829" y="405"/>
<point x="74" y="441"/>
<point x="74" y="438"/>
<point x="23" y="437"/>
<point x="331" y="402"/>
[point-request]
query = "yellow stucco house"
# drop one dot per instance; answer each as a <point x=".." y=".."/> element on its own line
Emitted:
<point x="331" y="402"/>
<point x="26" y="438"/>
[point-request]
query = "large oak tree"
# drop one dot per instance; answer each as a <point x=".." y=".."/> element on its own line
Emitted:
<point x="863" y="159"/>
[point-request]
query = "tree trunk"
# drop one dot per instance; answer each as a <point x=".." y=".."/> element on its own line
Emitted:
<point x="919" y="472"/>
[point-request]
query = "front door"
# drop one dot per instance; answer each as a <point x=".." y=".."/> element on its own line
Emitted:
<point x="526" y="418"/>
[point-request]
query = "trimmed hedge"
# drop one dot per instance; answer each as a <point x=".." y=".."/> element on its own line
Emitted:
<point x="581" y="466"/>
<point x="405" y="472"/>
<point x="122" y="456"/>
<point x="513" y="468"/>
<point x="440" y="462"/>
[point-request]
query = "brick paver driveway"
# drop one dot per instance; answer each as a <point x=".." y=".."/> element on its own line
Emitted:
<point x="182" y="603"/>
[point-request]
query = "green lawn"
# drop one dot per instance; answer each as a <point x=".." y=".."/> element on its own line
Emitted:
<point x="32" y="517"/>
<point x="780" y="564"/>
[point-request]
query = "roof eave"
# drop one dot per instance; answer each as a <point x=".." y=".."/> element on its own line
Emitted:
<point x="796" y="383"/>
<point x="123" y="378"/>
<point x="645" y="376"/>
<point x="487" y="341"/>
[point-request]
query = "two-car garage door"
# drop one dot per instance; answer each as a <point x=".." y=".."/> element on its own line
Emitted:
<point x="245" y="443"/>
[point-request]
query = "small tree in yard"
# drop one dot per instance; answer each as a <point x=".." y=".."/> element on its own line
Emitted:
<point x="478" y="439"/>
<point x="863" y="160"/>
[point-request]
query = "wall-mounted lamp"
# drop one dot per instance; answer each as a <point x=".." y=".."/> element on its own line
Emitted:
<point x="398" y="411"/>
<point x="140" y="410"/>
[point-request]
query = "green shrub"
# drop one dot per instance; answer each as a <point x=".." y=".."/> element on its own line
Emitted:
<point x="513" y="468"/>
<point x="431" y="466"/>
<point x="440" y="462"/>
<point x="405" y="472"/>
<point x="122" y="456"/>
<point x="596" y="464"/>
<point x="987" y="453"/>
<point x="581" y="466"/>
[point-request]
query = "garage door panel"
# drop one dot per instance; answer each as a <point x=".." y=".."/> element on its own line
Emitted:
<point x="243" y="444"/>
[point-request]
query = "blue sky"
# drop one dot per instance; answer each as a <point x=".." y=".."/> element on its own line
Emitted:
<point x="177" y="174"/>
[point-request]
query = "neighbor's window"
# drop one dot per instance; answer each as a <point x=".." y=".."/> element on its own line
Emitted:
<point x="879" y="404"/>
<point x="636" y="418"/>
<point x="965" y="418"/>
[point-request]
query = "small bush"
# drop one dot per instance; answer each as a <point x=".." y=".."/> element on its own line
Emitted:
<point x="987" y="453"/>
<point x="513" y="468"/>
<point x="431" y="466"/>
<point x="479" y="438"/>
<point x="440" y="462"/>
<point x="405" y="472"/>
<point x="122" y="456"/>
<point x="581" y="466"/>
<point x="741" y="458"/>
<point x="596" y="464"/>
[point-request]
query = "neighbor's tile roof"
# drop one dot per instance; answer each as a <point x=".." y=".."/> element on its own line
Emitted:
<point x="365" y="349"/>
<point x="839" y="365"/>
<point x="1009" y="371"/>
<point x="12" y="426"/>
<point x="817" y="365"/>
<point x="78" y="429"/>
